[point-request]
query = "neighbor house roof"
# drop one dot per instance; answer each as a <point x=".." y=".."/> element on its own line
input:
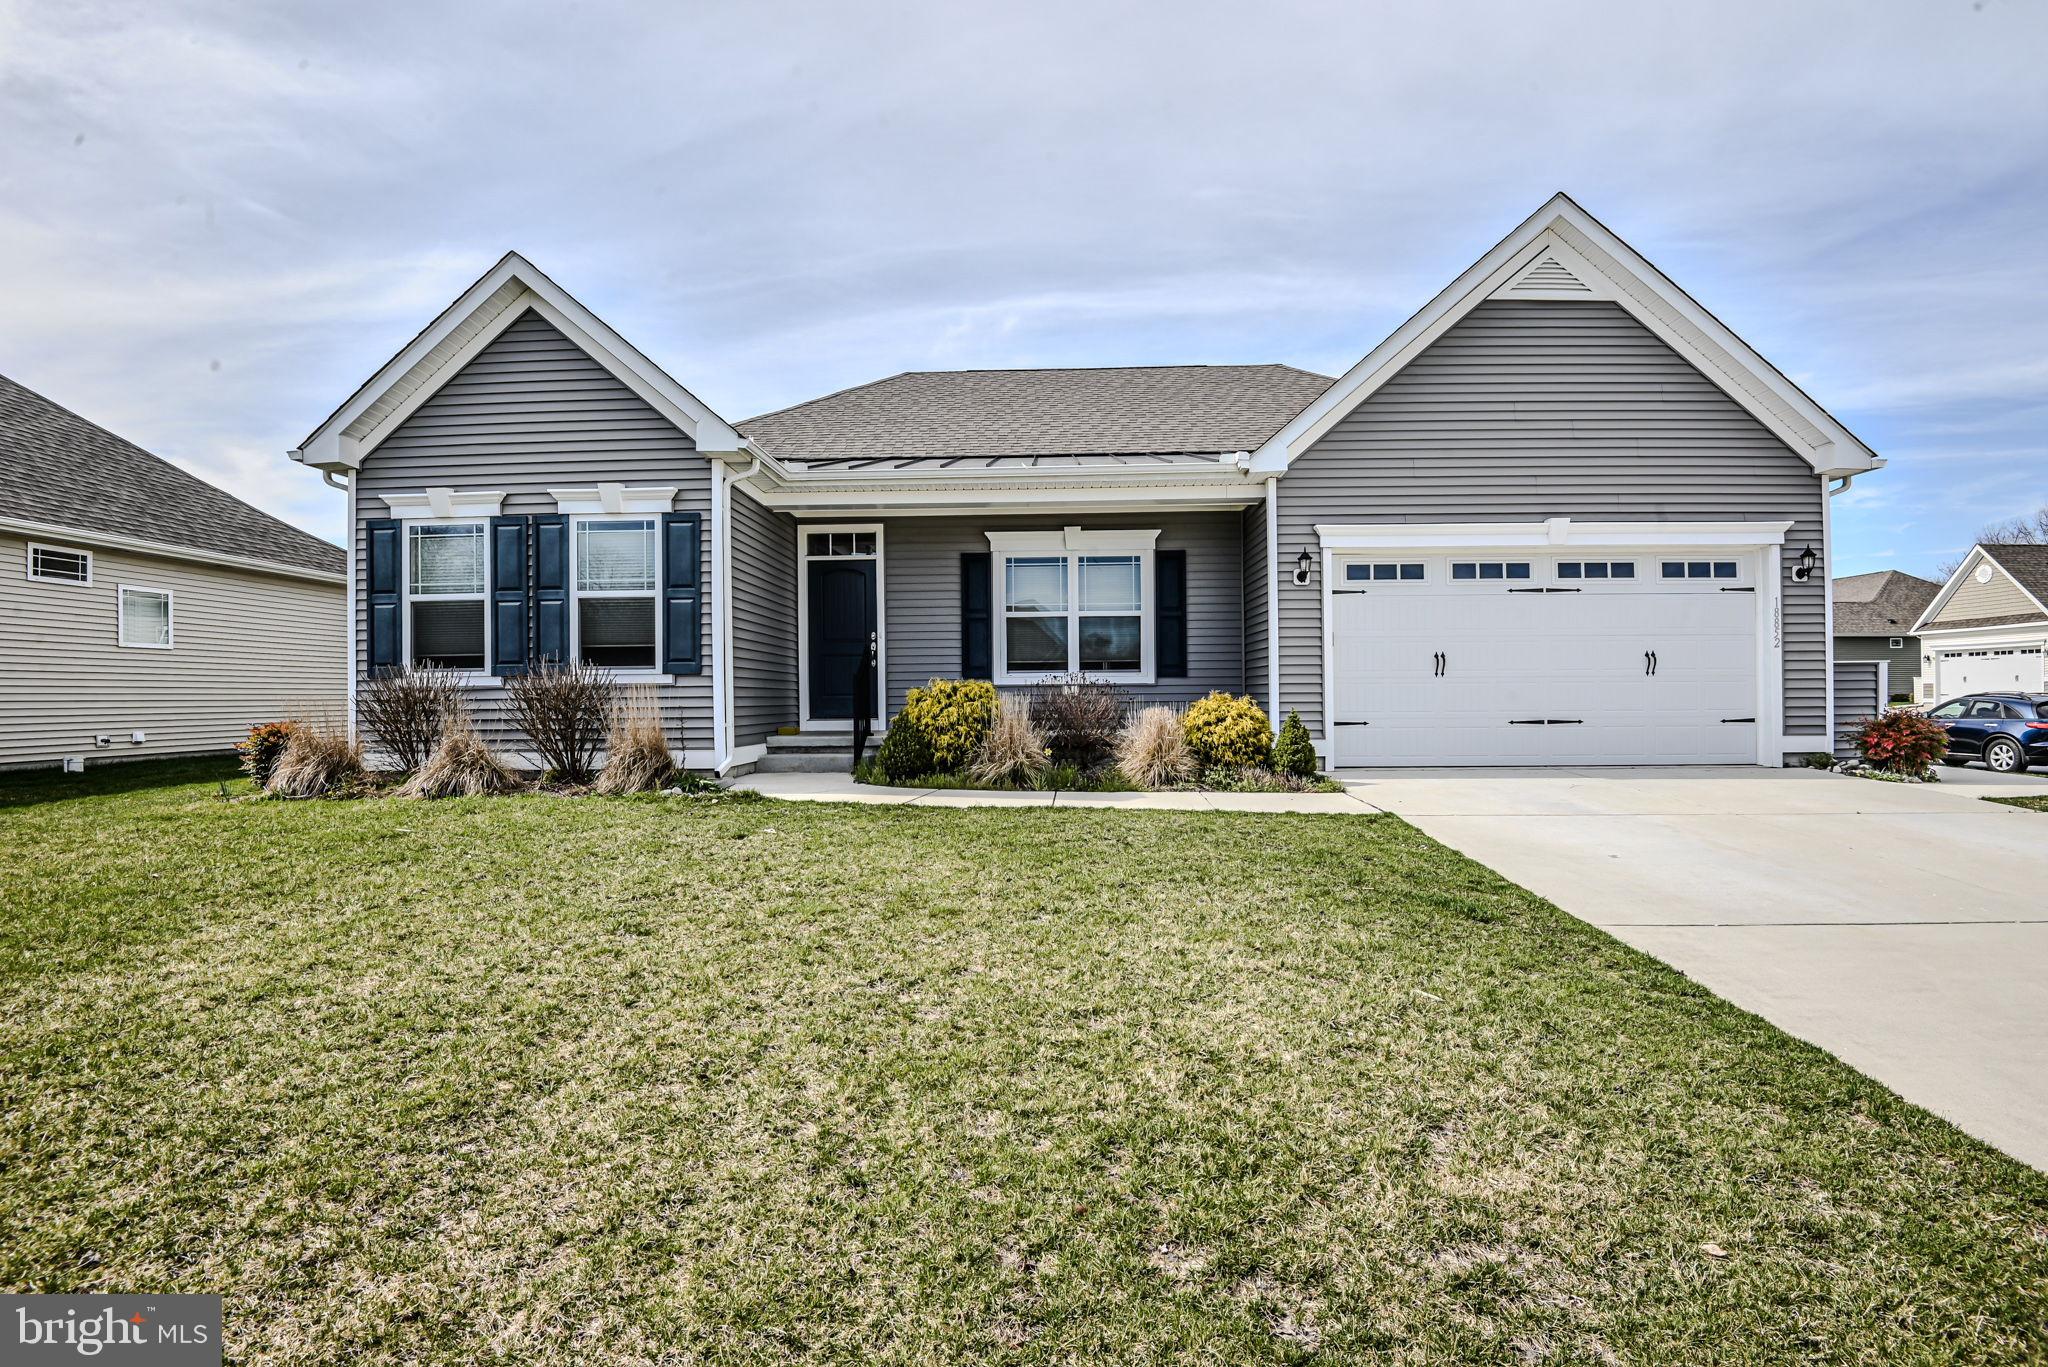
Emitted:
<point x="1886" y="603"/>
<point x="59" y="471"/>
<point x="964" y="418"/>
<point x="2025" y="565"/>
<point x="2028" y="565"/>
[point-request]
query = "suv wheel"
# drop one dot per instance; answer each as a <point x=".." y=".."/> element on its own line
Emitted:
<point x="2004" y="756"/>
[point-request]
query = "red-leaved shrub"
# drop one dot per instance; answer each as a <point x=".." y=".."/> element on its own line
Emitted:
<point x="1901" y="743"/>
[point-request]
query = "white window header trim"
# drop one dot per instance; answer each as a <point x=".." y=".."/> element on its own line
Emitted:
<point x="440" y="501"/>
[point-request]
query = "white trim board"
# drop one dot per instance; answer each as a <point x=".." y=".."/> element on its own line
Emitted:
<point x="1563" y="232"/>
<point x="805" y="722"/>
<point x="476" y="318"/>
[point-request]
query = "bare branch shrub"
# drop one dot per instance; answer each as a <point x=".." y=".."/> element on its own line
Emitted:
<point x="564" y="710"/>
<point x="637" y="757"/>
<point x="461" y="765"/>
<point x="320" y="758"/>
<point x="1013" y="750"/>
<point x="1153" y="751"/>
<point x="1080" y="717"/>
<point x="403" y="711"/>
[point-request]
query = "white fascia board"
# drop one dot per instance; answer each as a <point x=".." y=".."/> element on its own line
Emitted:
<point x="115" y="542"/>
<point x="1557" y="533"/>
<point x="897" y="502"/>
<point x="329" y="448"/>
<point x="1948" y="638"/>
<point x="1562" y="228"/>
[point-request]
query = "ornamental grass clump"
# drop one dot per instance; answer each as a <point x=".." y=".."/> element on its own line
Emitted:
<point x="1903" y="743"/>
<point x="403" y="711"/>
<point x="461" y="765"/>
<point x="1013" y="751"/>
<point x="565" y="710"/>
<point x="1153" y="751"/>
<point x="1081" y="718"/>
<point x="952" y="717"/>
<point x="637" y="757"/>
<point x="1227" y="732"/>
<point x="320" y="759"/>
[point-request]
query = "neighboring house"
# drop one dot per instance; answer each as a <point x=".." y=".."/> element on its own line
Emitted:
<point x="144" y="612"/>
<point x="1985" y="630"/>
<point x="1874" y="617"/>
<point x="1561" y="515"/>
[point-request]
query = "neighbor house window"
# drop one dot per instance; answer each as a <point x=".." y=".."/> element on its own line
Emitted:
<point x="1895" y="643"/>
<point x="144" y="618"/>
<point x="444" y="582"/>
<point x="616" y="608"/>
<point x="1080" y="610"/>
<point x="59" y="566"/>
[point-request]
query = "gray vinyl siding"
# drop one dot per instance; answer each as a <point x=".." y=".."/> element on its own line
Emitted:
<point x="1525" y="410"/>
<point x="1904" y="662"/>
<point x="764" y="643"/>
<point x="1856" y="700"/>
<point x="921" y="594"/>
<point x="1999" y="598"/>
<point x="246" y="647"/>
<point x="1252" y="529"/>
<point x="532" y="412"/>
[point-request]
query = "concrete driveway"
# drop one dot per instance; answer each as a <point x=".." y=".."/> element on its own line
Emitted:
<point x="1902" y="928"/>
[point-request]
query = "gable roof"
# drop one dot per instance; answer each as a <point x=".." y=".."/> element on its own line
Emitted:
<point x="1033" y="418"/>
<point x="1563" y="252"/>
<point x="2026" y="566"/>
<point x="499" y="297"/>
<point x="1886" y="603"/>
<point x="61" y="472"/>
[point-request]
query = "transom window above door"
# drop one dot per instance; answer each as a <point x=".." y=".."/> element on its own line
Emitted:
<point x="1078" y="610"/>
<point x="821" y="545"/>
<point x="1489" y="569"/>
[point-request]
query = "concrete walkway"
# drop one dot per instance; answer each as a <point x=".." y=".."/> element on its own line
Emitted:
<point x="1901" y="928"/>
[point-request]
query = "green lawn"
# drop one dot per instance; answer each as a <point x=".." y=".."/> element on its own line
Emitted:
<point x="545" y="1080"/>
<point x="2032" y="804"/>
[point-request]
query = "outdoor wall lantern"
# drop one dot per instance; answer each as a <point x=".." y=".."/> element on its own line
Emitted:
<point x="1809" y="561"/>
<point x="1303" y="563"/>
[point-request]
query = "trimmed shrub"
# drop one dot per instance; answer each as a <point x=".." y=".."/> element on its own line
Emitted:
<point x="953" y="717"/>
<point x="403" y="711"/>
<point x="1228" y="732"/>
<point x="319" y="759"/>
<point x="461" y="765"/>
<point x="1901" y="743"/>
<point x="1153" y="752"/>
<point x="1080" y="718"/>
<point x="564" y="709"/>
<point x="904" y="754"/>
<point x="261" y="747"/>
<point x="1294" y="753"/>
<point x="1013" y="751"/>
<point x="637" y="757"/>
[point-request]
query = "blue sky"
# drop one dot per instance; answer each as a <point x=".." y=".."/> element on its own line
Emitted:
<point x="216" y="220"/>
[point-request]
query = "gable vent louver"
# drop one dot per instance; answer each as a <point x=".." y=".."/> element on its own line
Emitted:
<point x="1547" y="277"/>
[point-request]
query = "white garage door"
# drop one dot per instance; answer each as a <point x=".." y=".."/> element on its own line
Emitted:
<point x="1534" y="659"/>
<point x="2007" y="669"/>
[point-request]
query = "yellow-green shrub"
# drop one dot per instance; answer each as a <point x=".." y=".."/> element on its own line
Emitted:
<point x="952" y="716"/>
<point x="1223" y="730"/>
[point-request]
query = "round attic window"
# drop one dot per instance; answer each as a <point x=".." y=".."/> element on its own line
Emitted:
<point x="1983" y="574"/>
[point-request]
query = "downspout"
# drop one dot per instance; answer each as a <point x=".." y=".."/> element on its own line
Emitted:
<point x="721" y="617"/>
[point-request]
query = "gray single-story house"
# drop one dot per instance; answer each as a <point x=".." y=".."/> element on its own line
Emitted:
<point x="1562" y="515"/>
<point x="1874" y="617"/>
<point x="143" y="612"/>
<point x="1986" y="629"/>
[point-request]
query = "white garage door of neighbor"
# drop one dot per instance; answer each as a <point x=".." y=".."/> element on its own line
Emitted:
<point x="2007" y="669"/>
<point x="1527" y="659"/>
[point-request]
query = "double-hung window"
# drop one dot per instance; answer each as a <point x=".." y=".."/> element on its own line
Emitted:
<point x="617" y="560"/>
<point x="444" y="589"/>
<point x="1073" y="603"/>
<point x="143" y="617"/>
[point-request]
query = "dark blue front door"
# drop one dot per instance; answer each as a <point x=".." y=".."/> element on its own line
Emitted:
<point x="841" y="606"/>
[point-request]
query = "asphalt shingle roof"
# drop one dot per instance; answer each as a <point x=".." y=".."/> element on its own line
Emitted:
<point x="56" y="467"/>
<point x="1127" y="414"/>
<point x="1886" y="603"/>
<point x="2028" y="565"/>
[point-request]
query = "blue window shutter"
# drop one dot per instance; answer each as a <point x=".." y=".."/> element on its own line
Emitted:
<point x="1170" y="617"/>
<point x="977" y="624"/>
<point x="381" y="545"/>
<point x="682" y="593"/>
<point x="550" y="588"/>
<point x="510" y="607"/>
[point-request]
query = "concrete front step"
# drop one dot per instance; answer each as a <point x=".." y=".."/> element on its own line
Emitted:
<point x="837" y="761"/>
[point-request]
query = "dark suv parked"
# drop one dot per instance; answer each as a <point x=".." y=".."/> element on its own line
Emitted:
<point x="2007" y="731"/>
